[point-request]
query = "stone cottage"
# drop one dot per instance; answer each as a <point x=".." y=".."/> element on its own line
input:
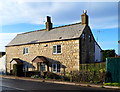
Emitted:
<point x="55" y="49"/>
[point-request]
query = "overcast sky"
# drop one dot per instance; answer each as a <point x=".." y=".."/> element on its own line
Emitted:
<point x="27" y="15"/>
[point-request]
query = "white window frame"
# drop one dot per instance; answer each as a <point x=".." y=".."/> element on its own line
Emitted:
<point x="25" y="50"/>
<point x="56" y="70"/>
<point x="56" y="52"/>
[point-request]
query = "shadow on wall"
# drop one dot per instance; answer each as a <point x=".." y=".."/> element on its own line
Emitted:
<point x="25" y="65"/>
<point x="62" y="67"/>
<point x="52" y="61"/>
<point x="28" y="66"/>
<point x="42" y="61"/>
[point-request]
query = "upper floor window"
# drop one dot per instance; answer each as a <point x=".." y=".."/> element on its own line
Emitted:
<point x="56" y="49"/>
<point x="25" y="50"/>
<point x="90" y="38"/>
<point x="83" y="35"/>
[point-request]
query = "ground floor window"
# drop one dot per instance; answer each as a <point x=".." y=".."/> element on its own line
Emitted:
<point x="56" y="67"/>
<point x="42" y="67"/>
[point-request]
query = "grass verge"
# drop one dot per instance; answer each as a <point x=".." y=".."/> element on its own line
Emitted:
<point x="112" y="84"/>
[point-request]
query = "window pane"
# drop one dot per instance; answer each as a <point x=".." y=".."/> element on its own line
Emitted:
<point x="54" y="67"/>
<point x="54" y="49"/>
<point x="26" y="50"/>
<point x="23" y="50"/>
<point x="58" y="48"/>
<point x="58" y="67"/>
<point x="42" y="67"/>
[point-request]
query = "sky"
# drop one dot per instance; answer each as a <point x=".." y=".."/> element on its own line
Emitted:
<point x="18" y="16"/>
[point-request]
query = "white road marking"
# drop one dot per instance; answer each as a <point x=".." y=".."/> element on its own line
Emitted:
<point x="13" y="87"/>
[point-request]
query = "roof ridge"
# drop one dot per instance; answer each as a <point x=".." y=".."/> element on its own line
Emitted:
<point x="67" y="25"/>
<point x="31" y="31"/>
<point x="52" y="28"/>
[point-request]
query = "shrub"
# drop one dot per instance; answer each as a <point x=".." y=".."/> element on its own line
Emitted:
<point x="112" y="84"/>
<point x="51" y="75"/>
<point x="32" y="73"/>
<point x="35" y="76"/>
<point x="65" y="78"/>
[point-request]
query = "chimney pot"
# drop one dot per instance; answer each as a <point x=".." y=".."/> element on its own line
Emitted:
<point x="84" y="11"/>
<point x="84" y="17"/>
<point x="48" y="24"/>
<point x="48" y="19"/>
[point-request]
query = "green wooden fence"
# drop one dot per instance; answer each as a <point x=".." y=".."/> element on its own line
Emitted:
<point x="113" y="70"/>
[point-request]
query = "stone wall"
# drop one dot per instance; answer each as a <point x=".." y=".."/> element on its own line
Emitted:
<point x="87" y="47"/>
<point x="69" y="56"/>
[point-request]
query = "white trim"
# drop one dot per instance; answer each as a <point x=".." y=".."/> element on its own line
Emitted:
<point x="56" y="49"/>
<point x="56" y="68"/>
<point x="25" y="50"/>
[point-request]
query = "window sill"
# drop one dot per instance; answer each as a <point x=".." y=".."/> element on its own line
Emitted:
<point x="56" y="53"/>
<point x="55" y="72"/>
<point x="26" y="54"/>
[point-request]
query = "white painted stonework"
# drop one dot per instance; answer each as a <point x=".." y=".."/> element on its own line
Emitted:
<point x="98" y="53"/>
<point x="3" y="64"/>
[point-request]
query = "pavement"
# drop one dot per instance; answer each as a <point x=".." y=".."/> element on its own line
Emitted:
<point x="60" y="82"/>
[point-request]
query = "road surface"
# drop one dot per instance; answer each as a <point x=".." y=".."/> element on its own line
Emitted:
<point x="16" y="85"/>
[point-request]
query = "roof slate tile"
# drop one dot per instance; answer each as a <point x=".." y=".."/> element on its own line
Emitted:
<point x="58" y="33"/>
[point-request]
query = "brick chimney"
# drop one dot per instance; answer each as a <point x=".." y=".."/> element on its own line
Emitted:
<point x="48" y="24"/>
<point x="84" y="17"/>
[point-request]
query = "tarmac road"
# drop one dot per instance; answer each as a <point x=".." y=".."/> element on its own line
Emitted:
<point x="17" y="85"/>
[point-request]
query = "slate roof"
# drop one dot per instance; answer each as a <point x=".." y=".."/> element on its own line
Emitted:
<point x="58" y="33"/>
<point x="17" y="60"/>
<point x="40" y="59"/>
